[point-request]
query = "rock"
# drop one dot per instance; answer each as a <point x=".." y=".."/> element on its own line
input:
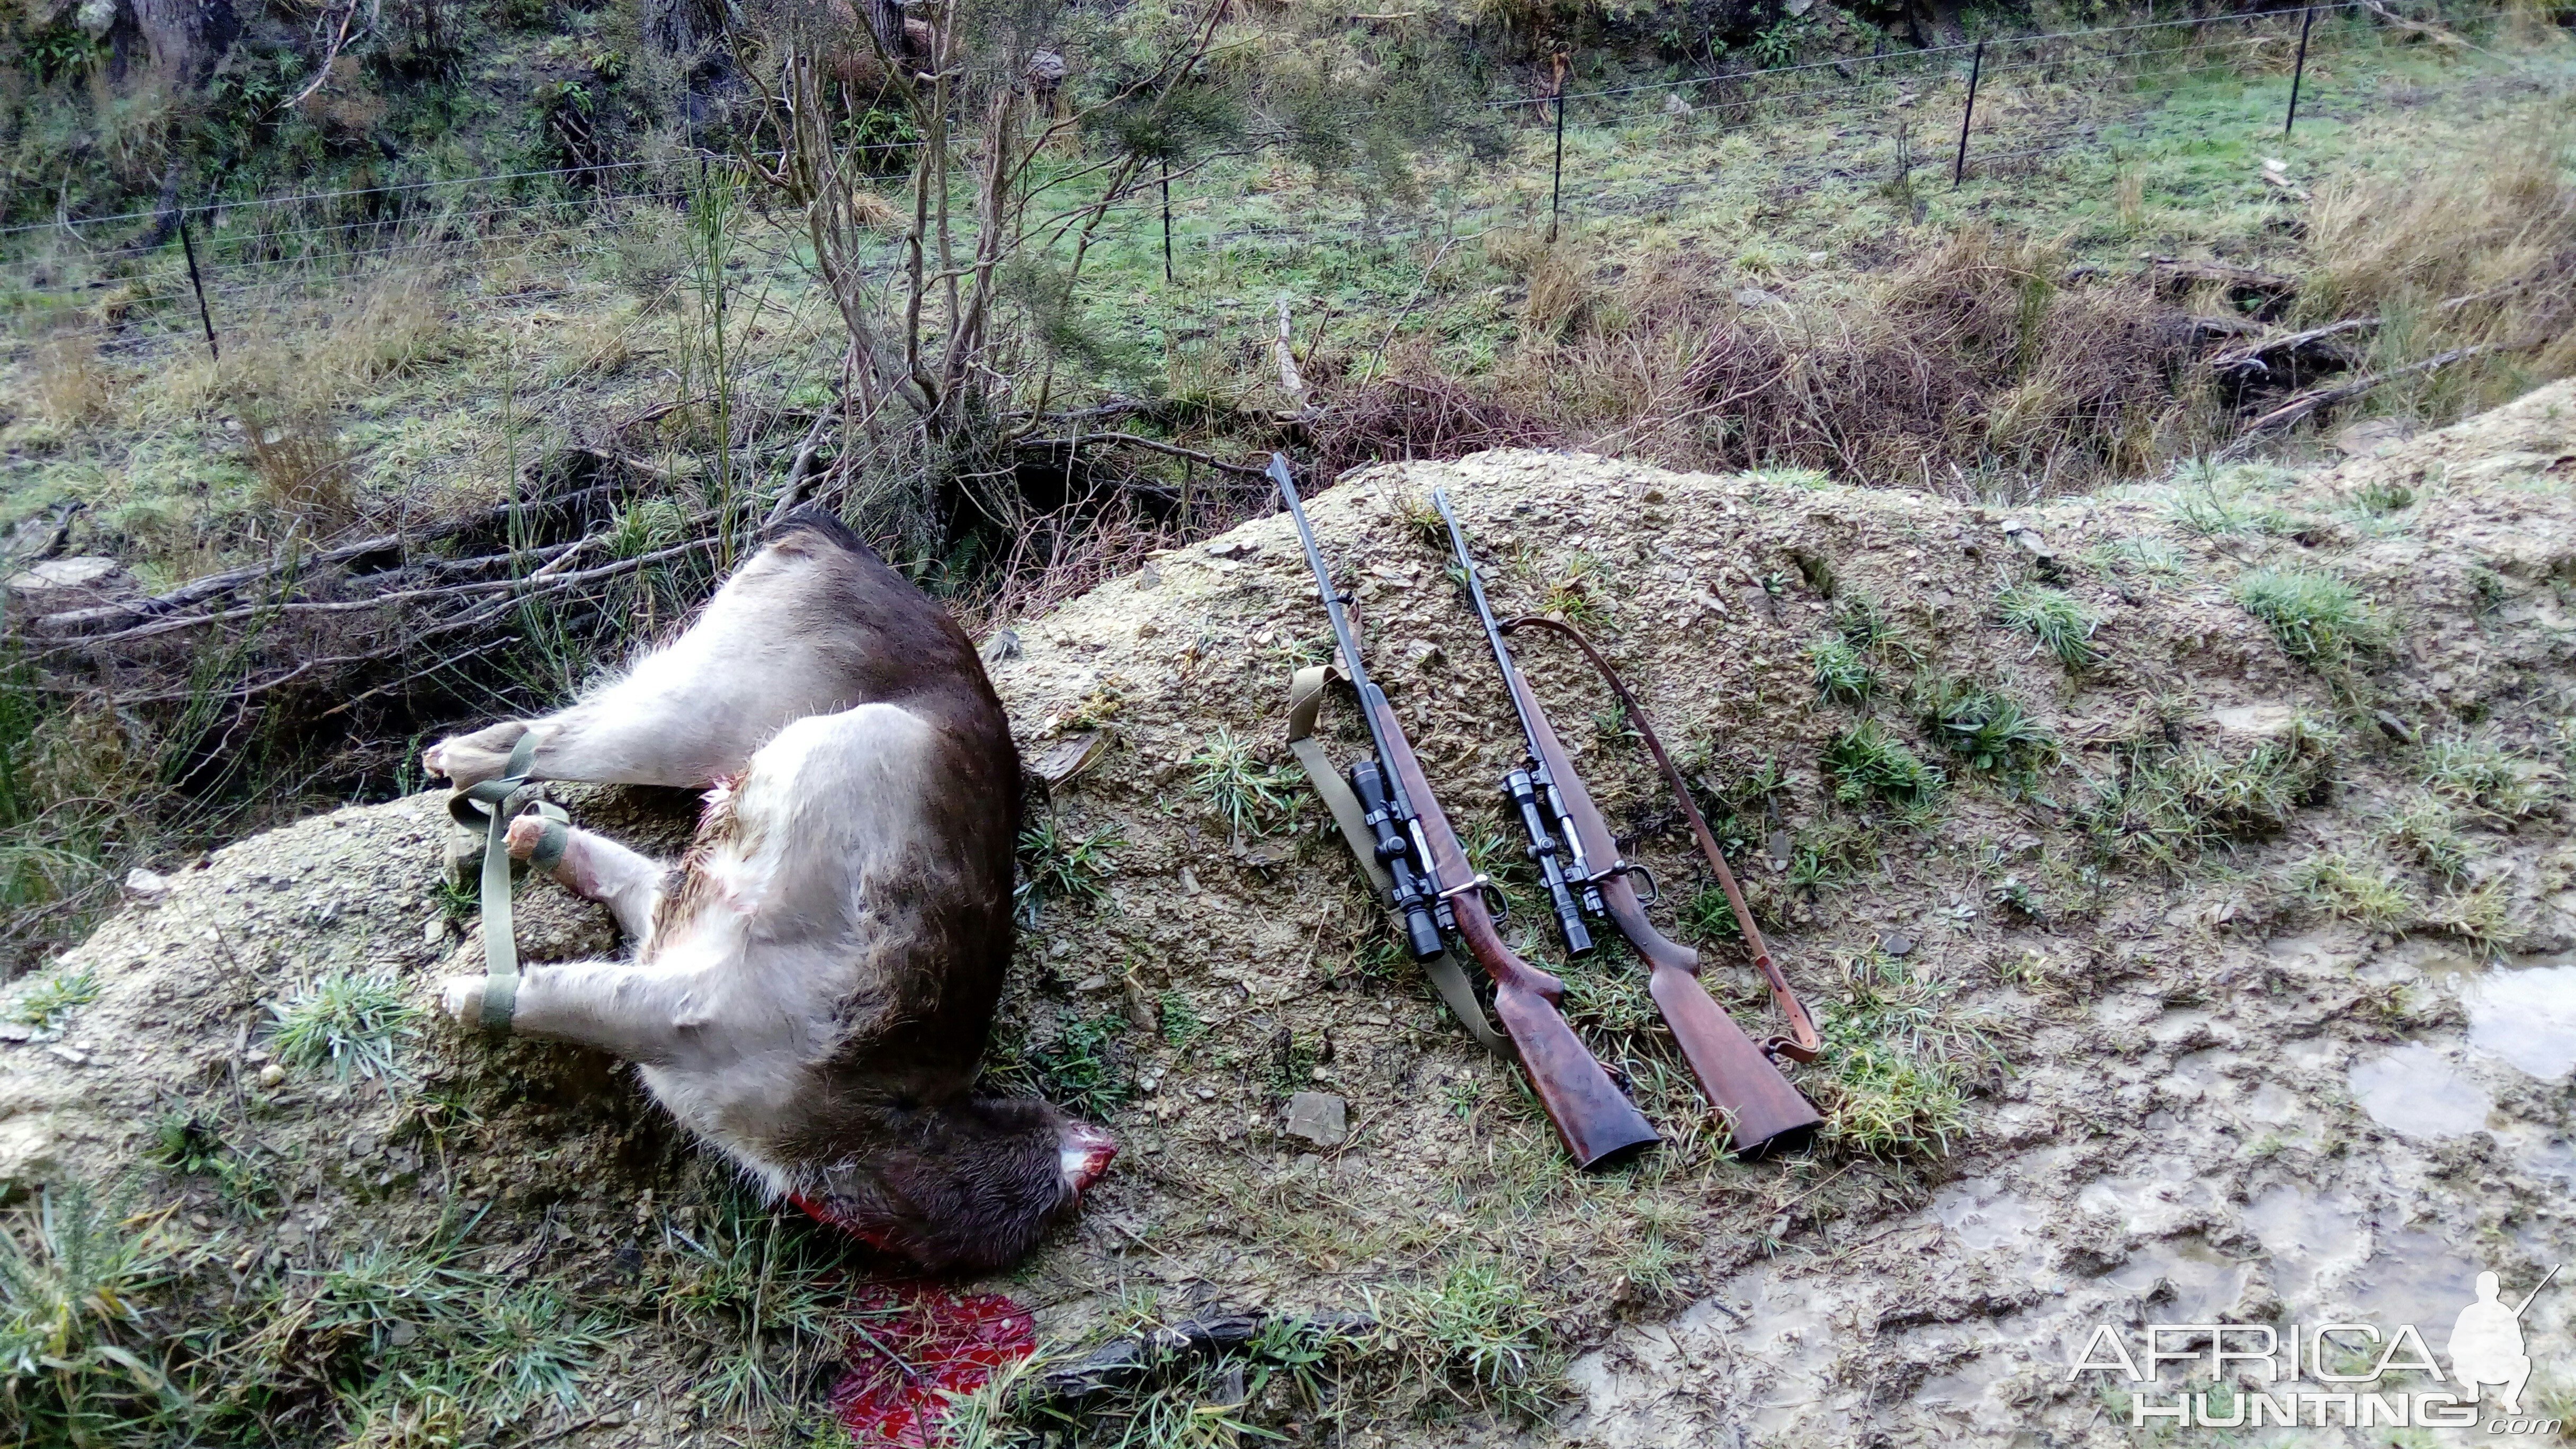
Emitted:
<point x="66" y="583"/>
<point x="2260" y="720"/>
<point x="1233" y="547"/>
<point x="146" y="884"/>
<point x="2368" y="436"/>
<point x="436" y="932"/>
<point x="1070" y="756"/>
<point x="16" y="1031"/>
<point x="1005" y="644"/>
<point x="1749" y="298"/>
<point x="1896" y="943"/>
<point x="2027" y="538"/>
<point x="1674" y="105"/>
<point x="272" y="1075"/>
<point x="1319" y="1118"/>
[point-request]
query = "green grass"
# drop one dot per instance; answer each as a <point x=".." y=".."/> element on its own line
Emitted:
<point x="2154" y="559"/>
<point x="76" y="1360"/>
<point x="1181" y="1022"/>
<point x="1082" y="1069"/>
<point x="2318" y="619"/>
<point x="2478" y="771"/>
<point x="1900" y="1054"/>
<point x="768" y="1293"/>
<point x="1842" y="675"/>
<point x="2429" y="831"/>
<point x="1987" y="729"/>
<point x="1058" y="866"/>
<point x="2168" y="806"/>
<point x="2350" y="890"/>
<point x="1485" y="1333"/>
<point x="352" y="1025"/>
<point x="47" y="1001"/>
<point x="1867" y="764"/>
<point x="2056" y="623"/>
<point x="1248" y="794"/>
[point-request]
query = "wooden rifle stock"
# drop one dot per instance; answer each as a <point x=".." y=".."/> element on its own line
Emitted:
<point x="1764" y="1113"/>
<point x="1599" y="1124"/>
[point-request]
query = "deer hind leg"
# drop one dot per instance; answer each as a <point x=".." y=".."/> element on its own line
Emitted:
<point x="597" y="868"/>
<point x="770" y="648"/>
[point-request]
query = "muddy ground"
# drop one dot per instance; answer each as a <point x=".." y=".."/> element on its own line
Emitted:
<point x="2223" y="1088"/>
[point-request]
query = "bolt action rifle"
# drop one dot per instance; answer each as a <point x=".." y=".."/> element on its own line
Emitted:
<point x="1579" y="861"/>
<point x="1436" y="891"/>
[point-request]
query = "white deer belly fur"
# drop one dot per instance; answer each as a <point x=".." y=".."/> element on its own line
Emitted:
<point x="774" y="945"/>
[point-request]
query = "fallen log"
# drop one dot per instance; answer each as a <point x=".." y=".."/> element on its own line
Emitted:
<point x="2299" y="408"/>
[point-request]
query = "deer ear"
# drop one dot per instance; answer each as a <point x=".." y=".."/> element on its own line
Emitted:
<point x="1085" y="1152"/>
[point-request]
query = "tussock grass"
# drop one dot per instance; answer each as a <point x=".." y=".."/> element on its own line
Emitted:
<point x="75" y="1355"/>
<point x="1247" y="793"/>
<point x="1900" y="1056"/>
<point x="1868" y="764"/>
<point x="2428" y="831"/>
<point x="1842" y="675"/>
<point x="769" y="1293"/>
<point x="2168" y="806"/>
<point x="2478" y="771"/>
<point x="350" y="1024"/>
<point x="47" y="1001"/>
<point x="2055" y="621"/>
<point x="2351" y="890"/>
<point x="2481" y="915"/>
<point x="1987" y="729"/>
<point x="2318" y="619"/>
<point x="1056" y="865"/>
<point x="1483" y="1335"/>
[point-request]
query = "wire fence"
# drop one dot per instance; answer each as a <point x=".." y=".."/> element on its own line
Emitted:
<point x="1992" y="106"/>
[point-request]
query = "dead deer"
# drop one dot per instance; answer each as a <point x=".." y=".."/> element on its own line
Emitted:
<point x="812" y="986"/>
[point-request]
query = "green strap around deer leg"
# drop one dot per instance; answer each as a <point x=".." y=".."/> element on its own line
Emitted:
<point x="489" y="808"/>
<point x="1305" y="697"/>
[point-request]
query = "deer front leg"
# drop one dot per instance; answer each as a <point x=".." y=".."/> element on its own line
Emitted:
<point x="641" y="1015"/>
<point x="597" y="868"/>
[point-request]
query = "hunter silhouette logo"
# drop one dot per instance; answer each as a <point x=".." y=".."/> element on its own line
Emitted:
<point x="2486" y="1343"/>
<point x="2334" y="1375"/>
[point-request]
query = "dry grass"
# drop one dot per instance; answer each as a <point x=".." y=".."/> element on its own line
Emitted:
<point x="2405" y="248"/>
<point x="71" y="388"/>
<point x="1973" y="349"/>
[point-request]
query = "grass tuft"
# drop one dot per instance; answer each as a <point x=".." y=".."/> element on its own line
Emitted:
<point x="1487" y="1332"/>
<point x="1867" y="764"/>
<point x="1247" y="793"/>
<point x="46" y="1001"/>
<point x="2429" y="831"/>
<point x="2479" y="772"/>
<point x="349" y="1023"/>
<point x="1988" y="729"/>
<point x="1900" y="1054"/>
<point x="2169" y="806"/>
<point x="1058" y="866"/>
<point x="2319" y="619"/>
<point x="2348" y="890"/>
<point x="74" y="1274"/>
<point x="1842" y="675"/>
<point x="2052" y="618"/>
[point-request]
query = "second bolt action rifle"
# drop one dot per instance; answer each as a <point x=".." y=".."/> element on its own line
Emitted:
<point x="1437" y="890"/>
<point x="1764" y="1113"/>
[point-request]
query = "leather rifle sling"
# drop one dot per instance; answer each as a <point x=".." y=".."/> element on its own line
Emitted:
<point x="1305" y="698"/>
<point x="1802" y="1043"/>
<point x="487" y="809"/>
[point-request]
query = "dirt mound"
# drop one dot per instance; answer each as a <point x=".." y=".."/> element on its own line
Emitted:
<point x="2153" y="858"/>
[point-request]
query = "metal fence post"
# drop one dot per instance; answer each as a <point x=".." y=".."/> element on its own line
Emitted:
<point x="1556" y="183"/>
<point x="1967" y="113"/>
<point x="1167" y="220"/>
<point x="2299" y="68"/>
<point x="206" y="319"/>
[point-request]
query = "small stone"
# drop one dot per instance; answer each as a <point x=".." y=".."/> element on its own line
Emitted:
<point x="1423" y="654"/>
<point x="272" y="1075"/>
<point x="1092" y="983"/>
<point x="16" y="1031"/>
<point x="146" y="885"/>
<point x="434" y="932"/>
<point x="73" y="1055"/>
<point x="1233" y="548"/>
<point x="401" y="1333"/>
<point x="1752" y="297"/>
<point x="1207" y="1094"/>
<point x="1005" y="644"/>
<point x="1896" y="943"/>
<point x="1189" y="882"/>
<point x="1319" y="1118"/>
<point x="1149" y="577"/>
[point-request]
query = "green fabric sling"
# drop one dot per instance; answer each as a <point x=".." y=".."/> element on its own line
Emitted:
<point x="487" y="809"/>
<point x="1305" y="698"/>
